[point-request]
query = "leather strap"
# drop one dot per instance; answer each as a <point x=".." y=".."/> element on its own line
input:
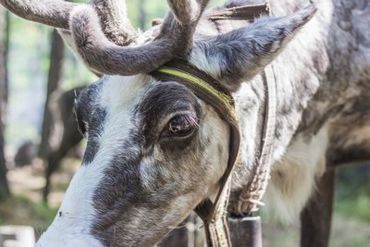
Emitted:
<point x="250" y="199"/>
<point x="246" y="12"/>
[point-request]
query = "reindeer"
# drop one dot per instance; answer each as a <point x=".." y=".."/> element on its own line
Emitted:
<point x="155" y="150"/>
<point x="69" y="137"/>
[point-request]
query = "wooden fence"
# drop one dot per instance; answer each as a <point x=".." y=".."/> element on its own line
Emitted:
<point x="245" y="232"/>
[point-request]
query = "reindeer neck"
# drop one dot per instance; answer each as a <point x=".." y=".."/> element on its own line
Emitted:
<point x="297" y="75"/>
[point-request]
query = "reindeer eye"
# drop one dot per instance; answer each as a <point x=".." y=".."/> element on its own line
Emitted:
<point x="181" y="126"/>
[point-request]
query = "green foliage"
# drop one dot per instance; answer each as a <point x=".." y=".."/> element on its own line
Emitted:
<point x="353" y="192"/>
<point x="43" y="212"/>
<point x="19" y="210"/>
<point x="358" y="207"/>
<point x="153" y="9"/>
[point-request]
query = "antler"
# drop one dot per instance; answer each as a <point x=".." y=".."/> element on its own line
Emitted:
<point x="102" y="55"/>
<point x="99" y="53"/>
<point x="101" y="45"/>
<point x="113" y="19"/>
<point x="50" y="12"/>
<point x="56" y="13"/>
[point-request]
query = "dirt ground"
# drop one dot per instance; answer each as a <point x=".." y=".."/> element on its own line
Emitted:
<point x="26" y="208"/>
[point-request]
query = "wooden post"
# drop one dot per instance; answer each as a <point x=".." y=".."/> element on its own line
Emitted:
<point x="186" y="235"/>
<point x="246" y="231"/>
<point x="4" y="187"/>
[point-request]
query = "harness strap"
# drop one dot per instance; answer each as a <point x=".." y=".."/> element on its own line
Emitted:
<point x="250" y="199"/>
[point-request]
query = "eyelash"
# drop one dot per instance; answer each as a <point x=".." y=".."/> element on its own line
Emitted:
<point x="190" y="123"/>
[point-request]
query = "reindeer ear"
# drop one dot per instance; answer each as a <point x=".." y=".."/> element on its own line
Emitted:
<point x="241" y="54"/>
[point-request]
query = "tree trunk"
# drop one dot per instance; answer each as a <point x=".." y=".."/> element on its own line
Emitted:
<point x="6" y="54"/>
<point x="53" y="84"/>
<point x="4" y="187"/>
<point x="142" y="14"/>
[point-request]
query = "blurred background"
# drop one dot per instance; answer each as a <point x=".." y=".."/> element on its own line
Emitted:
<point x="39" y="79"/>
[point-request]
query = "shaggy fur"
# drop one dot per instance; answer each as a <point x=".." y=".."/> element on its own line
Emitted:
<point x="115" y="24"/>
<point x="322" y="80"/>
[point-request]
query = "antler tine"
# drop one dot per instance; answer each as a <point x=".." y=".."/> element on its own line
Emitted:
<point x="50" y="12"/>
<point x="113" y="19"/>
<point x="174" y="39"/>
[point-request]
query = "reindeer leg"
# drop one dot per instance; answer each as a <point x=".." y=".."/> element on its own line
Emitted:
<point x="46" y="189"/>
<point x="53" y="164"/>
<point x="71" y="139"/>
<point x="316" y="216"/>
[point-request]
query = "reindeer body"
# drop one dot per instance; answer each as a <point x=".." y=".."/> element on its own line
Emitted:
<point x="322" y="80"/>
<point x="155" y="150"/>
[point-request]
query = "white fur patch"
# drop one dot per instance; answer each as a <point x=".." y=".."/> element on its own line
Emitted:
<point x="293" y="178"/>
<point x="75" y="214"/>
<point x="72" y="224"/>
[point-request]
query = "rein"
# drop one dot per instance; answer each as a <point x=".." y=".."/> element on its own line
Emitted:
<point x="214" y="215"/>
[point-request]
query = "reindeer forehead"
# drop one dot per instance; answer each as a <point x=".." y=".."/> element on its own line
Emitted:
<point x="118" y="92"/>
<point x="139" y="94"/>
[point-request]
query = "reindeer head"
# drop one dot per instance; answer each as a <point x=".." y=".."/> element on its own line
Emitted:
<point x="154" y="149"/>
